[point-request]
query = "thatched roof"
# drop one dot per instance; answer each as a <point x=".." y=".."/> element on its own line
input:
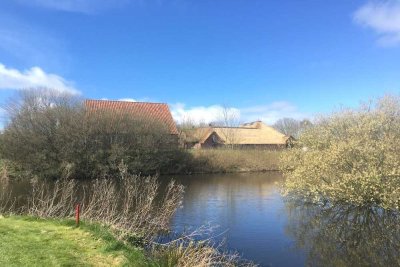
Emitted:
<point x="255" y="133"/>
<point x="158" y="112"/>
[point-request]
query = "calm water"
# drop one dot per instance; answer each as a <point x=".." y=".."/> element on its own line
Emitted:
<point x="248" y="207"/>
<point x="264" y="227"/>
<point x="256" y="221"/>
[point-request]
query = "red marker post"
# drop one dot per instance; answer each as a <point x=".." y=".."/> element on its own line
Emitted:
<point x="77" y="213"/>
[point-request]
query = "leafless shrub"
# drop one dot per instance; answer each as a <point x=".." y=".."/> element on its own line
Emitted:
<point x="4" y="179"/>
<point x="191" y="249"/>
<point x="229" y="120"/>
<point x="52" y="200"/>
<point x="6" y="201"/>
<point x="130" y="205"/>
<point x="133" y="205"/>
<point x="292" y="127"/>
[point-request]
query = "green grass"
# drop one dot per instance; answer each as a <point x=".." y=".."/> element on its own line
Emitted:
<point x="26" y="241"/>
<point x="235" y="160"/>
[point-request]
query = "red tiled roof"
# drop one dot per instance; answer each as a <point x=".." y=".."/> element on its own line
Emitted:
<point x="149" y="111"/>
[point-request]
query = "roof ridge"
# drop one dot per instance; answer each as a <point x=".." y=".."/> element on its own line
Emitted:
<point x="234" y="127"/>
<point x="123" y="101"/>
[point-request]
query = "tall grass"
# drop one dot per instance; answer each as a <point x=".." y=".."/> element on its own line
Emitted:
<point x="234" y="160"/>
<point x="130" y="204"/>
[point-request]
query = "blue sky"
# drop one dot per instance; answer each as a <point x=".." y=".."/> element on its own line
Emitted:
<point x="267" y="59"/>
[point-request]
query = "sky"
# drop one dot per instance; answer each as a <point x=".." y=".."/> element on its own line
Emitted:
<point x="264" y="59"/>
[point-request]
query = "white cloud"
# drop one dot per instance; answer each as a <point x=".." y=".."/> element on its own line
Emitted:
<point x="384" y="18"/>
<point x="198" y="114"/>
<point x="34" y="77"/>
<point x="128" y="100"/>
<point x="266" y="113"/>
<point x="270" y="113"/>
<point x="79" y="6"/>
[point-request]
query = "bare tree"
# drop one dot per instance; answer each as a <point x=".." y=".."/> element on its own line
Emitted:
<point x="229" y="121"/>
<point x="292" y="127"/>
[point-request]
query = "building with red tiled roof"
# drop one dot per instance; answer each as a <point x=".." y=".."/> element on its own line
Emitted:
<point x="156" y="112"/>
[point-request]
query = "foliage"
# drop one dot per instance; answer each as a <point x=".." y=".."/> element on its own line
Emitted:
<point x="42" y="131"/>
<point x="351" y="156"/>
<point x="50" y="134"/>
<point x="145" y="146"/>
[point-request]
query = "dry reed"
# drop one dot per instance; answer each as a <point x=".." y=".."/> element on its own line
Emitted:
<point x="235" y="160"/>
<point x="192" y="249"/>
<point x="129" y="205"/>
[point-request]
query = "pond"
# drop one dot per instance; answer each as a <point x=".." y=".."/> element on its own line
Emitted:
<point x="254" y="220"/>
<point x="271" y="231"/>
<point x="248" y="210"/>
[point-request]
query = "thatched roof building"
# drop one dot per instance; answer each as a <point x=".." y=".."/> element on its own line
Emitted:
<point x="252" y="135"/>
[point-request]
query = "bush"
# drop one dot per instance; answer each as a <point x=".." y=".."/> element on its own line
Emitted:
<point x="144" y="146"/>
<point x="50" y="134"/>
<point x="351" y="156"/>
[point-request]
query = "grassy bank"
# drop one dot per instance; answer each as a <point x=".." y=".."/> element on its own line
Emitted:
<point x="121" y="225"/>
<point x="32" y="241"/>
<point x="27" y="241"/>
<point x="228" y="160"/>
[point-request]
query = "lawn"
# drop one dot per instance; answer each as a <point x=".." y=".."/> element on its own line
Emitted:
<point x="28" y="241"/>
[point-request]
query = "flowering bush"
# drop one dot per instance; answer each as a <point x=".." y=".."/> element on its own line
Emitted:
<point x="351" y="156"/>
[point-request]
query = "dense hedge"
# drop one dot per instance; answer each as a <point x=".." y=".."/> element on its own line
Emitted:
<point x="50" y="134"/>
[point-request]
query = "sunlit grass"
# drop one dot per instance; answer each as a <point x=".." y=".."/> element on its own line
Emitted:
<point x="35" y="242"/>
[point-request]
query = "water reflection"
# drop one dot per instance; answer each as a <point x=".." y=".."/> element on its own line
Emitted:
<point x="249" y="207"/>
<point x="345" y="235"/>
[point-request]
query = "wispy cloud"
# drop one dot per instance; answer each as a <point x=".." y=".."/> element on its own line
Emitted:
<point x="29" y="44"/>
<point x="31" y="78"/>
<point x="96" y="6"/>
<point x="384" y="18"/>
<point x="79" y="6"/>
<point x="270" y="113"/>
<point x="205" y="114"/>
